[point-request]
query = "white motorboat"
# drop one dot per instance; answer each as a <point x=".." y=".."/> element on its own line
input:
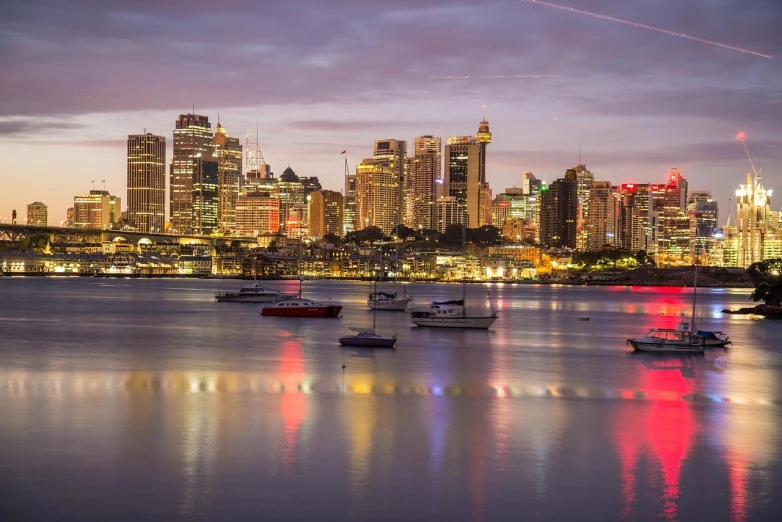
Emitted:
<point x="714" y="339"/>
<point x="388" y="301"/>
<point x="453" y="314"/>
<point x="252" y="294"/>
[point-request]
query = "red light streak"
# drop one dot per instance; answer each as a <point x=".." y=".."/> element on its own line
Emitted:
<point x="649" y="28"/>
<point x="494" y="77"/>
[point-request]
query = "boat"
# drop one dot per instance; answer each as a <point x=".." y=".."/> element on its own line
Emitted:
<point x="252" y="294"/>
<point x="386" y="300"/>
<point x="299" y="307"/>
<point x="714" y="339"/>
<point x="455" y="314"/>
<point x="683" y="339"/>
<point x="370" y="338"/>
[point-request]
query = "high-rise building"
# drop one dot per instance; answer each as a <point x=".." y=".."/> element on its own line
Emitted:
<point x="424" y="174"/>
<point x="753" y="221"/>
<point x="394" y="154"/>
<point x="290" y="191"/>
<point x="228" y="153"/>
<point x="326" y="213"/>
<point x="205" y="195"/>
<point x="377" y="195"/>
<point x="633" y="220"/>
<point x="147" y="182"/>
<point x="601" y="221"/>
<point x="585" y="180"/>
<point x="37" y="214"/>
<point x="465" y="175"/>
<point x="192" y="137"/>
<point x="449" y="212"/>
<point x="349" y="219"/>
<point x="480" y="204"/>
<point x="257" y="213"/>
<point x="97" y="210"/>
<point x="530" y="184"/>
<point x="703" y="225"/>
<point x="697" y="196"/>
<point x="559" y="212"/>
<point x="297" y="221"/>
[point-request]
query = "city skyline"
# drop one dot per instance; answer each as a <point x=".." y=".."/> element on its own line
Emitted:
<point x="656" y="103"/>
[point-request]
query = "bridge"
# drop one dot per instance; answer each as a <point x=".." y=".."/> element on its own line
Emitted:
<point x="71" y="235"/>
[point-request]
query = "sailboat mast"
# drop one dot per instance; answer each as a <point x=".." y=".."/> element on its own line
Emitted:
<point x="300" y="270"/>
<point x="694" y="298"/>
<point x="374" y="293"/>
<point x="464" y="272"/>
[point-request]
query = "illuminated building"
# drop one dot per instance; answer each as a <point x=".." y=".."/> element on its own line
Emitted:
<point x="310" y="185"/>
<point x="37" y="214"/>
<point x="449" y="212"/>
<point x="192" y="136"/>
<point x="393" y="153"/>
<point x="753" y="221"/>
<point x="696" y="196"/>
<point x="530" y="184"/>
<point x="424" y="173"/>
<point x="465" y="174"/>
<point x="633" y="219"/>
<point x="68" y="217"/>
<point x="205" y="199"/>
<point x="290" y="192"/>
<point x="674" y="235"/>
<point x="228" y="153"/>
<point x="97" y="210"/>
<point x="559" y="212"/>
<point x="349" y="214"/>
<point x="601" y="220"/>
<point x="481" y="207"/>
<point x="703" y="225"/>
<point x="584" y="186"/>
<point x="257" y="213"/>
<point x="377" y="195"/>
<point x="297" y="221"/>
<point x="326" y="213"/>
<point x="147" y="182"/>
<point x="500" y="211"/>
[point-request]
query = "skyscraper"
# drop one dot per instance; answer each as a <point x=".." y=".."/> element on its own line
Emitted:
<point x="192" y="141"/>
<point x="394" y="154"/>
<point x="257" y="213"/>
<point x="326" y="213"/>
<point x="377" y="195"/>
<point x="425" y="171"/>
<point x="205" y="199"/>
<point x="228" y="153"/>
<point x="349" y="216"/>
<point x="753" y="221"/>
<point x="559" y="212"/>
<point x="703" y="224"/>
<point x="462" y="170"/>
<point x="479" y="204"/>
<point x="147" y="182"/>
<point x="601" y="221"/>
<point x="585" y="180"/>
<point x="290" y="192"/>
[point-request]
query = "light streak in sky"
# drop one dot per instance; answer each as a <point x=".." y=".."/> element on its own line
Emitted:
<point x="493" y="77"/>
<point x="649" y="28"/>
<point x="89" y="98"/>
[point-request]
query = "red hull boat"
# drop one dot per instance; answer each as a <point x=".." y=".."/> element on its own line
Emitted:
<point x="301" y="308"/>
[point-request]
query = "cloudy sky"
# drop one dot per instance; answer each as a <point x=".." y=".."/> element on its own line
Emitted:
<point x="320" y="76"/>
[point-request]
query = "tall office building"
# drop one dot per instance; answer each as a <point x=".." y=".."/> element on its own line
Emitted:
<point x="424" y="173"/>
<point x="193" y="142"/>
<point x="37" y="214"/>
<point x="394" y="154"/>
<point x="480" y="204"/>
<point x="257" y="213"/>
<point x="326" y="213"/>
<point x="449" y="212"/>
<point x="290" y="191"/>
<point x="601" y="222"/>
<point x="228" y="153"/>
<point x="349" y="215"/>
<point x="146" y="196"/>
<point x="465" y="175"/>
<point x="703" y="225"/>
<point x="697" y="196"/>
<point x="97" y="210"/>
<point x="585" y="179"/>
<point x="377" y="195"/>
<point x="559" y="212"/>
<point x="206" y="196"/>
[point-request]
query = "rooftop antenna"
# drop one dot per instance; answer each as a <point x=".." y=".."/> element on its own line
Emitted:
<point x="93" y="184"/>
<point x="104" y="185"/>
<point x="579" y="154"/>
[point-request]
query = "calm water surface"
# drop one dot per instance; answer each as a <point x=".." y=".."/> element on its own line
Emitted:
<point x="145" y="400"/>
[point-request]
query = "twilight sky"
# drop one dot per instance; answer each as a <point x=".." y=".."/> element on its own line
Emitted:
<point x="320" y="76"/>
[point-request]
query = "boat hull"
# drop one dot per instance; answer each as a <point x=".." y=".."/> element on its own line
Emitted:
<point x="479" y="323"/>
<point x="367" y="342"/>
<point x="304" y="311"/>
<point x="396" y="305"/>
<point x="651" y="346"/>
<point x="248" y="299"/>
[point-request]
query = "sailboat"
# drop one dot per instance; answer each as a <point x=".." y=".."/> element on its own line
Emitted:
<point x="386" y="300"/>
<point x="369" y="338"/>
<point x="300" y="307"/>
<point x="455" y="314"/>
<point x="683" y="339"/>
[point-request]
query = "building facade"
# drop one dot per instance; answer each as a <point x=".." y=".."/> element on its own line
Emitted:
<point x="146" y="178"/>
<point x="559" y="212"/>
<point x="97" y="210"/>
<point x="37" y="214"/>
<point x="425" y="170"/>
<point x="257" y="213"/>
<point x="205" y="198"/>
<point x="377" y="195"/>
<point x="192" y="140"/>
<point x="326" y="213"/>
<point x="228" y="153"/>
<point x="601" y="221"/>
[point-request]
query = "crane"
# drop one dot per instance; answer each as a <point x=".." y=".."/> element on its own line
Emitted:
<point x="742" y="137"/>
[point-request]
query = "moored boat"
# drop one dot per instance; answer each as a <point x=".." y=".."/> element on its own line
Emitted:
<point x="368" y="340"/>
<point x="452" y="314"/>
<point x="252" y="294"/>
<point x="668" y="340"/>
<point x="714" y="339"/>
<point x="387" y="301"/>
<point x="298" y="307"/>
